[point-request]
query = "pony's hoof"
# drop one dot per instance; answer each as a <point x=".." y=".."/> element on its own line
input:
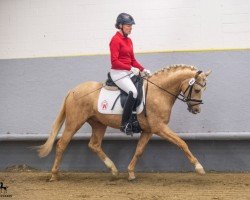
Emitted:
<point x="131" y="179"/>
<point x="115" y="173"/>
<point x="54" y="178"/>
<point x="131" y="176"/>
<point x="199" y="169"/>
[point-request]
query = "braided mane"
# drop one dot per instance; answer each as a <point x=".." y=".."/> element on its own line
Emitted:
<point x="174" y="68"/>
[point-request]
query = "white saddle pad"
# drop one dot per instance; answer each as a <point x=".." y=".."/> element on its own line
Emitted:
<point x="107" y="98"/>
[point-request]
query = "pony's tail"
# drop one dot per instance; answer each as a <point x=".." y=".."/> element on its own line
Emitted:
<point x="46" y="148"/>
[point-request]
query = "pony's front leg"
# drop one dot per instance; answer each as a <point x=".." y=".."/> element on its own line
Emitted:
<point x="143" y="140"/>
<point x="166" y="133"/>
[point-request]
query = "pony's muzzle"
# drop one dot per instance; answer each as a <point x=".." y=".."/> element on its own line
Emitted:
<point x="194" y="109"/>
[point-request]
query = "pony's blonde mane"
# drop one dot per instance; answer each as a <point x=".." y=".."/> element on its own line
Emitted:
<point x="172" y="68"/>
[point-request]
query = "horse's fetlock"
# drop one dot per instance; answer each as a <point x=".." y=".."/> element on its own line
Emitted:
<point x="54" y="171"/>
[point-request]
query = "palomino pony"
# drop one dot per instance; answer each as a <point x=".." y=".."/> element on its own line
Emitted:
<point x="163" y="88"/>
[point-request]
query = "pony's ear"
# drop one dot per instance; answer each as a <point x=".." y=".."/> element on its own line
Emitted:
<point x="208" y="72"/>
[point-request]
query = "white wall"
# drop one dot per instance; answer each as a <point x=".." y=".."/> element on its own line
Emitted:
<point x="38" y="28"/>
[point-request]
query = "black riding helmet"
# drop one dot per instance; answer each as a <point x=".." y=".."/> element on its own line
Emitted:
<point x="124" y="18"/>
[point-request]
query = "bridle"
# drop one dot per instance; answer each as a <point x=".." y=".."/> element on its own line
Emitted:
<point x="189" y="98"/>
<point x="182" y="97"/>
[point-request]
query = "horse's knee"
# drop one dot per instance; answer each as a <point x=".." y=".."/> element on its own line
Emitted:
<point x="93" y="147"/>
<point x="139" y="152"/>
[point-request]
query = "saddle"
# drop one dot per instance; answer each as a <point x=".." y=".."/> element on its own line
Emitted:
<point x="138" y="82"/>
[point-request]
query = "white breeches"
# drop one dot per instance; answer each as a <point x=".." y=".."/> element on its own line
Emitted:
<point x="124" y="83"/>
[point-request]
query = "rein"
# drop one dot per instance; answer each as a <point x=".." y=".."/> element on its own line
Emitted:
<point x="190" y="87"/>
<point x="180" y="96"/>
<point x="177" y="96"/>
<point x="104" y="86"/>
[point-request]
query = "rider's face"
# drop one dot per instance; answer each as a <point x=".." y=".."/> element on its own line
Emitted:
<point x="127" y="28"/>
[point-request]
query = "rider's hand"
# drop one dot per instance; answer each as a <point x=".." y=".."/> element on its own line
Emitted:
<point x="145" y="72"/>
<point x="135" y="71"/>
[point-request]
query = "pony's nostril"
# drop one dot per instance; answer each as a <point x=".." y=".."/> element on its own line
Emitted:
<point x="196" y="110"/>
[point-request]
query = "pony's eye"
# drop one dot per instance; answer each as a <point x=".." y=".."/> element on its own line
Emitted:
<point x="197" y="91"/>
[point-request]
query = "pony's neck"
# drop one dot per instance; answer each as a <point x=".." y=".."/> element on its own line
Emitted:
<point x="172" y="78"/>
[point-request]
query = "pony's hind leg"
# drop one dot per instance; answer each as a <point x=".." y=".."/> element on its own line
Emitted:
<point x="98" y="131"/>
<point x="72" y="125"/>
<point x="60" y="148"/>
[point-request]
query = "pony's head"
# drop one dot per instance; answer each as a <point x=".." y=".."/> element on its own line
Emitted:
<point x="192" y="90"/>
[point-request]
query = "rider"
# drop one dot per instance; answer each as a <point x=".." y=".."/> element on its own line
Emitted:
<point x="123" y="64"/>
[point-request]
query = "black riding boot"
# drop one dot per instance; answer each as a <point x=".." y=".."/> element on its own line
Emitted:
<point x="126" y="125"/>
<point x="136" y="128"/>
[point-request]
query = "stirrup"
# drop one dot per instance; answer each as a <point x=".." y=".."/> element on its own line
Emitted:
<point x="136" y="128"/>
<point x="128" y="129"/>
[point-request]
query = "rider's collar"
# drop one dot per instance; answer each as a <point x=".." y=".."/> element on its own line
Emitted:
<point x="120" y="35"/>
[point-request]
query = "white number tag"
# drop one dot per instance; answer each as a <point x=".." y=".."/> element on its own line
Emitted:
<point x="191" y="82"/>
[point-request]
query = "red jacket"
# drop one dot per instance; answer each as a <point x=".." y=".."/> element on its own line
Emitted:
<point x="122" y="54"/>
